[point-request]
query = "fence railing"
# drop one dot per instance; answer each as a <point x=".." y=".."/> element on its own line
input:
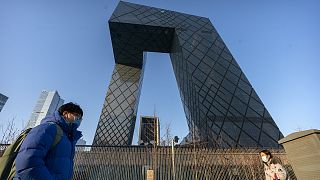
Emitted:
<point x="132" y="162"/>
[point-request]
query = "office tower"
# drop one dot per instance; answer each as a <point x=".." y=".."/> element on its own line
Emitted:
<point x="221" y="107"/>
<point x="48" y="103"/>
<point x="3" y="100"/>
<point x="80" y="145"/>
<point x="81" y="141"/>
<point x="149" y="130"/>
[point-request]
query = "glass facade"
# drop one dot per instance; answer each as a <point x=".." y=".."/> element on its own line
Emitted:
<point x="221" y="107"/>
<point x="48" y="103"/>
<point x="149" y="131"/>
<point x="3" y="100"/>
<point x="118" y="116"/>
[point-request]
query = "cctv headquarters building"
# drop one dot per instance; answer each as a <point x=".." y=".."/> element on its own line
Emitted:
<point x="220" y="104"/>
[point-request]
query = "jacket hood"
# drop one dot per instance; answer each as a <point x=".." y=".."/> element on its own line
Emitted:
<point x="68" y="128"/>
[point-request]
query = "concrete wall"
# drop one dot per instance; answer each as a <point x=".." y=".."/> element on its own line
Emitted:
<point x="303" y="153"/>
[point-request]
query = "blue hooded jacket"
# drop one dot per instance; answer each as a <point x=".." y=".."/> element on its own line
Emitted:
<point x="36" y="161"/>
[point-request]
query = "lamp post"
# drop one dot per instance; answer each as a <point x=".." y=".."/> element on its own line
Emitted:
<point x="174" y="140"/>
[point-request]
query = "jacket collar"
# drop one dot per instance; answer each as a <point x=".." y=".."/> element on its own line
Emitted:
<point x="68" y="128"/>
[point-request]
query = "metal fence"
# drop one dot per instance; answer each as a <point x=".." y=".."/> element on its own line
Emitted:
<point x="132" y="162"/>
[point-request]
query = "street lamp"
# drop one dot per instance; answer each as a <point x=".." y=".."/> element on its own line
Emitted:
<point x="174" y="140"/>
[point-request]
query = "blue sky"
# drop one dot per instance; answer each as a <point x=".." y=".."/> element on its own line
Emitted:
<point x="66" y="46"/>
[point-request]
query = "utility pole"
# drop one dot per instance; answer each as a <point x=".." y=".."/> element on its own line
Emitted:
<point x="155" y="124"/>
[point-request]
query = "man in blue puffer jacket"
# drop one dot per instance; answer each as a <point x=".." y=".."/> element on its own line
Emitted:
<point x="36" y="160"/>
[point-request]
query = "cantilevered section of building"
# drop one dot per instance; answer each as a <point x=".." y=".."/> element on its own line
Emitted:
<point x="220" y="105"/>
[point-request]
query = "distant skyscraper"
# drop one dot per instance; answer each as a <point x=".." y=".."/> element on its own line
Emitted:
<point x="48" y="103"/>
<point x="149" y="130"/>
<point x="3" y="100"/>
<point x="81" y="141"/>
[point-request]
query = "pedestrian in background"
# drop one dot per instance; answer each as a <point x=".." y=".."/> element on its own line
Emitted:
<point x="273" y="169"/>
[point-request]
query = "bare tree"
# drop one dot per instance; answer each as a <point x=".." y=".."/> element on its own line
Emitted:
<point x="165" y="140"/>
<point x="8" y="132"/>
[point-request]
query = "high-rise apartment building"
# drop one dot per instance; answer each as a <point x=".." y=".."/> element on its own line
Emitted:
<point x="48" y="103"/>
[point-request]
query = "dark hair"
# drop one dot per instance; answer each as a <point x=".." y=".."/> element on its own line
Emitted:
<point x="267" y="152"/>
<point x="71" y="108"/>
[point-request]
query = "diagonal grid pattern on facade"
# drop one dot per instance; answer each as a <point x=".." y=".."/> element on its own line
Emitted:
<point x="221" y="107"/>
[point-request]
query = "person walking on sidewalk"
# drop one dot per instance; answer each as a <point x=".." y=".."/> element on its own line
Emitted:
<point x="37" y="159"/>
